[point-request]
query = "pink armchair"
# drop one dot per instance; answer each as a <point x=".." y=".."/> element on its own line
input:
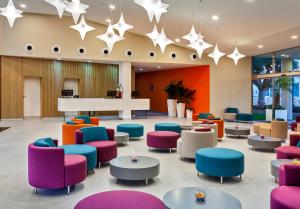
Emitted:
<point x="289" y="152"/>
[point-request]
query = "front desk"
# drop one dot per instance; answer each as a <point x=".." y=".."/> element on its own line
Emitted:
<point x="101" y="104"/>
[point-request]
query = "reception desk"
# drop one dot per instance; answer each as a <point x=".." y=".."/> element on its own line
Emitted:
<point x="101" y="104"/>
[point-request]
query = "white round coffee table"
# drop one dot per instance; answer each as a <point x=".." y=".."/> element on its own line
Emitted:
<point x="143" y="169"/>
<point x="121" y="137"/>
<point x="259" y="142"/>
<point x="184" y="198"/>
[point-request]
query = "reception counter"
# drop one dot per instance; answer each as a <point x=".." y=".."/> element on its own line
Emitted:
<point x="101" y="104"/>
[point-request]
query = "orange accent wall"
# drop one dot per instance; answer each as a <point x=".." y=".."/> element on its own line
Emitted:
<point x="197" y="78"/>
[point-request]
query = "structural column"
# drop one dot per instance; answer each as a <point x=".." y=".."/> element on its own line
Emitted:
<point x="125" y="80"/>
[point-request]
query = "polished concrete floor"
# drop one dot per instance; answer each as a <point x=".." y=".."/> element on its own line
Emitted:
<point x="253" y="191"/>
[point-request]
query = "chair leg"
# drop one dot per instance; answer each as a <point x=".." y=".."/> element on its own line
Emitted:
<point x="35" y="190"/>
<point x="99" y="164"/>
<point x="221" y="179"/>
<point x="170" y="151"/>
<point x="198" y="174"/>
<point x="240" y="177"/>
<point x="69" y="189"/>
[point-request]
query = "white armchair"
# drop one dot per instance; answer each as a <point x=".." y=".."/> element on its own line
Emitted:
<point x="193" y="140"/>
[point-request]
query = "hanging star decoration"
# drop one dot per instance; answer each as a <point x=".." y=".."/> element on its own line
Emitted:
<point x="153" y="8"/>
<point x="163" y="40"/>
<point x="76" y="8"/>
<point x="236" y="56"/>
<point x="82" y="27"/>
<point x="154" y="35"/>
<point x="59" y="5"/>
<point x="216" y="54"/>
<point x="192" y="37"/>
<point x="110" y="37"/>
<point x="200" y="45"/>
<point x="122" y="26"/>
<point x="11" y="13"/>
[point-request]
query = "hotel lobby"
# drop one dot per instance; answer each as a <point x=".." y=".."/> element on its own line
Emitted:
<point x="152" y="104"/>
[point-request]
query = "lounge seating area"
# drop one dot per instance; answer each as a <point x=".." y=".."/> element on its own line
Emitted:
<point x="150" y="104"/>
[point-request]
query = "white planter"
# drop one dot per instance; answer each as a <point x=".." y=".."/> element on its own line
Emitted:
<point x="172" y="107"/>
<point x="180" y="110"/>
<point x="189" y="114"/>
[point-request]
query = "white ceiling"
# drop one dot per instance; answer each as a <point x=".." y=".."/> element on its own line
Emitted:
<point x="246" y="23"/>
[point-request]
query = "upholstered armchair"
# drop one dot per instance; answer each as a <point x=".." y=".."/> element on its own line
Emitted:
<point x="101" y="138"/>
<point x="292" y="151"/>
<point x="50" y="168"/>
<point x="69" y="129"/>
<point x="294" y="125"/>
<point x="277" y="129"/>
<point x="85" y="119"/>
<point x="193" y="140"/>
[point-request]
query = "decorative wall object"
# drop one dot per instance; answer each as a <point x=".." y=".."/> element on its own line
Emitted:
<point x="56" y="49"/>
<point x="81" y="51"/>
<point x="153" y="8"/>
<point x="154" y="35"/>
<point x="236" y="56"/>
<point x="59" y="5"/>
<point x="11" y="13"/>
<point x="29" y="48"/>
<point x="192" y="37"/>
<point x="163" y="41"/>
<point x="110" y="37"/>
<point x="76" y="8"/>
<point x="122" y="26"/>
<point x="216" y="54"/>
<point x="82" y="27"/>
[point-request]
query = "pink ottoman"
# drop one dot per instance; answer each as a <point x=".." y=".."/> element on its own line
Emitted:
<point x="121" y="199"/>
<point x="106" y="150"/>
<point x="162" y="139"/>
<point x="285" y="197"/>
<point x="288" y="152"/>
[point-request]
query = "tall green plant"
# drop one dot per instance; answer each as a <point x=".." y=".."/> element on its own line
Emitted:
<point x="171" y="90"/>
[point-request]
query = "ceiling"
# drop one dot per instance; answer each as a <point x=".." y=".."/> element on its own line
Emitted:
<point x="245" y="23"/>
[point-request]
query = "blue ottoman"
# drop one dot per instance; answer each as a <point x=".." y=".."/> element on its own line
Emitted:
<point x="134" y="130"/>
<point x="220" y="162"/>
<point x="88" y="151"/>
<point x="168" y="127"/>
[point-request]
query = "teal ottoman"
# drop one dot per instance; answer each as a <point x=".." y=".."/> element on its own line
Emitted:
<point x="134" y="130"/>
<point x="244" y="117"/>
<point x="168" y="127"/>
<point x="88" y="151"/>
<point x="220" y="162"/>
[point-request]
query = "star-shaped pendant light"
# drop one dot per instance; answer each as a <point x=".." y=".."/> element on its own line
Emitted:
<point x="163" y="41"/>
<point x="153" y="7"/>
<point x="11" y="13"/>
<point x="76" y="8"/>
<point x="200" y="45"/>
<point x="216" y="54"/>
<point x="154" y="35"/>
<point x="82" y="27"/>
<point x="236" y="56"/>
<point x="59" y="5"/>
<point x="122" y="26"/>
<point x="110" y="37"/>
<point x="192" y="37"/>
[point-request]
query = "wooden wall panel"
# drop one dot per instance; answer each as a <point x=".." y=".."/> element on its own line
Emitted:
<point x="94" y="81"/>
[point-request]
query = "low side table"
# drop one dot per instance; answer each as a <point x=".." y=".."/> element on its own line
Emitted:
<point x="121" y="137"/>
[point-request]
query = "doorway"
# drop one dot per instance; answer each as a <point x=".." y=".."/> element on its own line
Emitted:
<point x="32" y="97"/>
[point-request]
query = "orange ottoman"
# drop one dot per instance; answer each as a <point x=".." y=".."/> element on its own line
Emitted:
<point x="220" y="123"/>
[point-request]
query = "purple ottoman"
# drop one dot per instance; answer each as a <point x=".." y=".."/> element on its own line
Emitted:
<point x="285" y="197"/>
<point x="121" y="199"/>
<point x="162" y="139"/>
<point x="288" y="152"/>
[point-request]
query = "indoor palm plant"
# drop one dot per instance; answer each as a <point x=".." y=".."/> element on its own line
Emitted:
<point x="181" y="99"/>
<point x="172" y="92"/>
<point x="189" y="97"/>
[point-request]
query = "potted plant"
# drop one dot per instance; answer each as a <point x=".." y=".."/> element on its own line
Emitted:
<point x="171" y="91"/>
<point x="189" y="97"/>
<point x="119" y="91"/>
<point x="181" y="99"/>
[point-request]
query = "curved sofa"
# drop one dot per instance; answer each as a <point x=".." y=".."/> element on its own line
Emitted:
<point x="276" y="129"/>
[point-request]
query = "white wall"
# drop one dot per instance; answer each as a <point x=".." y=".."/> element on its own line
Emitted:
<point x="1" y="35"/>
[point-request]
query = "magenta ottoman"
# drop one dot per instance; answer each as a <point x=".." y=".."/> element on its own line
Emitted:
<point x="120" y="199"/>
<point x="288" y="152"/>
<point x="285" y="197"/>
<point x="162" y="139"/>
<point x="106" y="150"/>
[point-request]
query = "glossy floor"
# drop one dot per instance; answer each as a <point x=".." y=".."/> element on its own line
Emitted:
<point x="253" y="191"/>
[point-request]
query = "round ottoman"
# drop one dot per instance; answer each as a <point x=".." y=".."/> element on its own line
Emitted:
<point x="167" y="127"/>
<point x="220" y="162"/>
<point x="162" y="139"/>
<point x="134" y="130"/>
<point x="285" y="197"/>
<point x="88" y="151"/>
<point x="121" y="199"/>
<point x="106" y="150"/>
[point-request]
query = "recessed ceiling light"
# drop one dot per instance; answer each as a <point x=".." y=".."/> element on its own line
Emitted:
<point x="141" y="69"/>
<point x="112" y="7"/>
<point x="177" y="40"/>
<point x="23" y="5"/>
<point x="89" y="61"/>
<point x="294" y="37"/>
<point x="158" y="67"/>
<point x="108" y="20"/>
<point x="260" y="46"/>
<point x="215" y="17"/>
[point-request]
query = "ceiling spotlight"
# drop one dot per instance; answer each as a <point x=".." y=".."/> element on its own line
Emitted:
<point x="112" y="7"/>
<point x="89" y="61"/>
<point x="215" y="17"/>
<point x="260" y="46"/>
<point x="177" y="40"/>
<point x="23" y="5"/>
<point x="141" y="69"/>
<point x="294" y="37"/>
<point x="158" y="67"/>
